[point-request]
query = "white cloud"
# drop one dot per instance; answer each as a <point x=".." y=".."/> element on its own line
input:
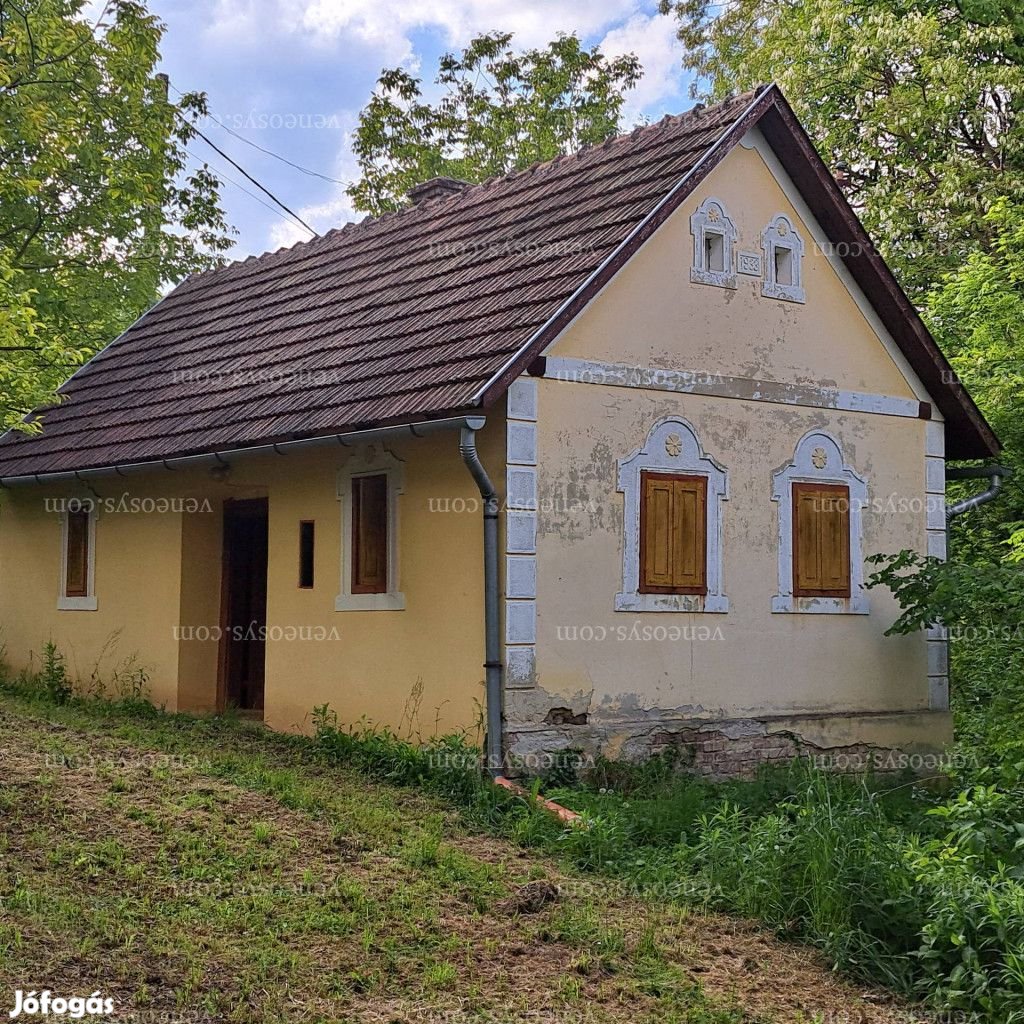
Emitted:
<point x="386" y="26"/>
<point x="653" y="39"/>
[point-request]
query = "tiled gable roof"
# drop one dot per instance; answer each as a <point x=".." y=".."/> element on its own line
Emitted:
<point x="406" y="317"/>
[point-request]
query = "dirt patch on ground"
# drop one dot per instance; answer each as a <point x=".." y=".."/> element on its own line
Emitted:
<point x="279" y="894"/>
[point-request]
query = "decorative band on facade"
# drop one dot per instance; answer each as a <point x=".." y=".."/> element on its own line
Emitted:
<point x="935" y="526"/>
<point x="521" y="535"/>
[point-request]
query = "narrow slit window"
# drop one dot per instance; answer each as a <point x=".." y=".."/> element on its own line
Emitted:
<point x="821" y="540"/>
<point x="673" y="534"/>
<point x="76" y="577"/>
<point x="370" y="534"/>
<point x="307" y="535"/>
<point x="783" y="265"/>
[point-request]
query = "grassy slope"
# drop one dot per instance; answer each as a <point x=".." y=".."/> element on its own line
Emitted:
<point x="218" y="871"/>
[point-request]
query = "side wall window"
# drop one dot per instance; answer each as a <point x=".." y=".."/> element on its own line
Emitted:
<point x="673" y="534"/>
<point x="714" y="239"/>
<point x="820" y="499"/>
<point x="672" y="524"/>
<point x="307" y="553"/>
<point x="78" y="554"/>
<point x="368" y="491"/>
<point x="370" y="534"/>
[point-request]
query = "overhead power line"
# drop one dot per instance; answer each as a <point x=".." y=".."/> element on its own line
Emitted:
<point x="238" y="167"/>
<point x="270" y="152"/>
<point x="252" y="195"/>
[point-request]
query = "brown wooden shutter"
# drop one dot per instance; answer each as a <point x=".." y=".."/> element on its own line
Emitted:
<point x="76" y="577"/>
<point x="673" y="534"/>
<point x="370" y="534"/>
<point x="821" y="540"/>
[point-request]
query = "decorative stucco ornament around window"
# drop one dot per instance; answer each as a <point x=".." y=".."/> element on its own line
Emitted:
<point x="659" y="454"/>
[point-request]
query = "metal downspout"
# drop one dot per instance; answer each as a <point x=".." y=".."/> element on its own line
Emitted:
<point x="995" y="475"/>
<point x="492" y="624"/>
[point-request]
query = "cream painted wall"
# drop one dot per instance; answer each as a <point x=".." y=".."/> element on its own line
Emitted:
<point x="157" y="571"/>
<point x="755" y="662"/>
<point x="651" y="315"/>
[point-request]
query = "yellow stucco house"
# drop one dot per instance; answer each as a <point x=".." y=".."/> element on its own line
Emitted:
<point x="587" y="457"/>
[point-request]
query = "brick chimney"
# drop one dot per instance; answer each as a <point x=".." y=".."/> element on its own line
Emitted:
<point x="436" y="188"/>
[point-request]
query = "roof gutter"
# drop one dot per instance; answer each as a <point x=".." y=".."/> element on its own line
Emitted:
<point x="995" y="475"/>
<point x="223" y="458"/>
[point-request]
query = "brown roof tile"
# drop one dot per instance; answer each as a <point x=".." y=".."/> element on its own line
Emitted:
<point x="405" y="317"/>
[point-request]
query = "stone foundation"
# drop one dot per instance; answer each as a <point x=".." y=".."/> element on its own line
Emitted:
<point x="737" y="747"/>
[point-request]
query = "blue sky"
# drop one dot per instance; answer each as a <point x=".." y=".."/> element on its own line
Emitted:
<point x="292" y="75"/>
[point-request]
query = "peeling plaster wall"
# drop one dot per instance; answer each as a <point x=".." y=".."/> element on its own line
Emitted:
<point x="829" y="680"/>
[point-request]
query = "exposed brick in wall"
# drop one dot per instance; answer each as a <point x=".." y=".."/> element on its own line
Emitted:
<point x="734" y="749"/>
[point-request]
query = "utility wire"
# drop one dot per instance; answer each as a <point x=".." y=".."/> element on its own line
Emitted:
<point x="242" y="170"/>
<point x="251" y="195"/>
<point x="270" y="152"/>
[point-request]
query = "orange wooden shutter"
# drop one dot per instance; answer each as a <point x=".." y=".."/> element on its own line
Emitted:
<point x="821" y="540"/>
<point x="76" y="579"/>
<point x="673" y="534"/>
<point x="370" y="535"/>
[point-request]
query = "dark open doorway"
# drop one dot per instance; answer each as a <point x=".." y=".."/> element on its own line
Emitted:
<point x="243" y="604"/>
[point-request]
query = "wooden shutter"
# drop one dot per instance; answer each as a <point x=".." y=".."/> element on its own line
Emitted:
<point x="370" y="534"/>
<point x="821" y="540"/>
<point x="673" y="534"/>
<point x="76" y="557"/>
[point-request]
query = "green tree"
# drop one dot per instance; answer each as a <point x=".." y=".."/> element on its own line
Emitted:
<point x="96" y="210"/>
<point x="976" y="316"/>
<point x="500" y="111"/>
<point x="921" y="99"/>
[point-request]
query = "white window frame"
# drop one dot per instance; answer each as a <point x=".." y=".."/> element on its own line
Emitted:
<point x="711" y="218"/>
<point x="376" y="463"/>
<point x="780" y="234"/>
<point x="672" y="446"/>
<point x="819" y="460"/>
<point x="88" y="603"/>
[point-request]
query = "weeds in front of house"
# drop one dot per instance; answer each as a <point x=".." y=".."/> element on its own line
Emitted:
<point x="894" y="881"/>
<point x="241" y="874"/>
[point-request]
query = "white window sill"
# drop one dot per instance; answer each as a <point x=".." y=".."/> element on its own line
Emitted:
<point x="785" y="292"/>
<point x="77" y="604"/>
<point x="709" y="603"/>
<point x="716" y="278"/>
<point x="787" y="604"/>
<point x="369" y="602"/>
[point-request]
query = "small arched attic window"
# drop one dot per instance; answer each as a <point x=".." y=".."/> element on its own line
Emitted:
<point x="714" y="239"/>
<point x="783" y="260"/>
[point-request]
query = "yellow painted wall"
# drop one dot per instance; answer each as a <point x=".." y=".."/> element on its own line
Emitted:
<point x="755" y="662"/>
<point x="155" y="572"/>
<point x="137" y="562"/>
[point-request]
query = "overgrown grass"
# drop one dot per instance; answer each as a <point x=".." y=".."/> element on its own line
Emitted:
<point x="893" y="881"/>
<point x="212" y="868"/>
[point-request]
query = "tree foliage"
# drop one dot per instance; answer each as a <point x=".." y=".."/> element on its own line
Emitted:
<point x="499" y="111"/>
<point x="976" y="316"/>
<point x="920" y="98"/>
<point x="96" y="211"/>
